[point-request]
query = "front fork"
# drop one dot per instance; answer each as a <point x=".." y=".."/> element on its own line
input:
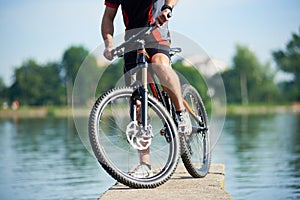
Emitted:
<point x="139" y="98"/>
<point x="141" y="92"/>
<point x="139" y="132"/>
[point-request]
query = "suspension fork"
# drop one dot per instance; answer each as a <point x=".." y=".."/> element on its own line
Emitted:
<point x="143" y="65"/>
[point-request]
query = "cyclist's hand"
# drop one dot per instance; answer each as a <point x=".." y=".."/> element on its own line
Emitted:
<point x="108" y="53"/>
<point x="162" y="18"/>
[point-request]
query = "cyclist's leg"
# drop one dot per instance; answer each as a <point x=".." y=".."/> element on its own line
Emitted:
<point x="129" y="64"/>
<point x="143" y="154"/>
<point x="162" y="67"/>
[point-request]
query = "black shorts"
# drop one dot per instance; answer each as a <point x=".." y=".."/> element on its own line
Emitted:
<point x="130" y="60"/>
<point x="130" y="57"/>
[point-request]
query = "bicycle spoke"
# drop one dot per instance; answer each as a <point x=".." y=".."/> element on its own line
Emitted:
<point x="196" y="156"/>
<point x="117" y="155"/>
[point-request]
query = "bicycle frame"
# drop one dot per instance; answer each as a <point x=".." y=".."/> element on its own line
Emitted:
<point x="146" y="76"/>
<point x="161" y="96"/>
<point x="142" y="88"/>
<point x="106" y="129"/>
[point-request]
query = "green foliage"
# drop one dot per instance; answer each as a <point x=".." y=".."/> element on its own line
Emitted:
<point x="192" y="76"/>
<point x="248" y="80"/>
<point x="110" y="76"/>
<point x="2" y="91"/>
<point x="288" y="60"/>
<point x="232" y="86"/>
<point x="72" y="59"/>
<point x="37" y="84"/>
<point x="2" y="85"/>
<point x="86" y="79"/>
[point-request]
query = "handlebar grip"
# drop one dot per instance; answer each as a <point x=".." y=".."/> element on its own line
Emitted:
<point x="169" y="15"/>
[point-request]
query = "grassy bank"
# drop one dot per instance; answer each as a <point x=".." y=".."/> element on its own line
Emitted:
<point x="262" y="109"/>
<point x="53" y="111"/>
<point x="40" y="112"/>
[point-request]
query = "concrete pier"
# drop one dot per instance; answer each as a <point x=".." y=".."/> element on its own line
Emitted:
<point x="181" y="186"/>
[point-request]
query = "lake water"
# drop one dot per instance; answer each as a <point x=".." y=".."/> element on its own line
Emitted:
<point x="262" y="156"/>
<point x="45" y="159"/>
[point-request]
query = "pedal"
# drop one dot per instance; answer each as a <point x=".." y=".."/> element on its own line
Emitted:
<point x="198" y="129"/>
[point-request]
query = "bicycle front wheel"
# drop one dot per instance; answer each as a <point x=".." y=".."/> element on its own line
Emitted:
<point x="107" y="130"/>
<point x="196" y="153"/>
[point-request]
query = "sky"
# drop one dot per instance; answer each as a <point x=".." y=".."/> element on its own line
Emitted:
<point x="43" y="29"/>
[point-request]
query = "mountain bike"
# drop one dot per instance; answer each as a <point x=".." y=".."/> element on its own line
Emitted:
<point x="128" y="120"/>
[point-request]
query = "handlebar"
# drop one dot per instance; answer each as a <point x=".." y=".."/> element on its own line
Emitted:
<point x="119" y="52"/>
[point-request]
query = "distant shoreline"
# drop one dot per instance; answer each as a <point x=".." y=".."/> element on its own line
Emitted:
<point x="60" y="112"/>
<point x="43" y="111"/>
<point x="262" y="109"/>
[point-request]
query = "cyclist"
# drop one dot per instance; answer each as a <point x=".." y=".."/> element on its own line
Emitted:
<point x="138" y="14"/>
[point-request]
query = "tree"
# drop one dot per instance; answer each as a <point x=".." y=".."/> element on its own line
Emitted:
<point x="247" y="65"/>
<point x="111" y="75"/>
<point x="71" y="62"/>
<point x="86" y="81"/>
<point x="288" y="60"/>
<point x="36" y="84"/>
<point x="232" y="86"/>
<point x="26" y="85"/>
<point x="2" y="90"/>
<point x="2" y="85"/>
<point x="248" y="79"/>
<point x="53" y="86"/>
<point x="192" y="75"/>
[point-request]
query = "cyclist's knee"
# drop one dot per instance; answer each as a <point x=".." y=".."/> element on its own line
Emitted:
<point x="160" y="59"/>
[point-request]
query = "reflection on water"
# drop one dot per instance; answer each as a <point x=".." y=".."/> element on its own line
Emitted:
<point x="45" y="159"/>
<point x="262" y="156"/>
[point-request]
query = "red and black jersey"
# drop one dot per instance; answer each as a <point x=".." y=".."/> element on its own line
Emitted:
<point x="137" y="13"/>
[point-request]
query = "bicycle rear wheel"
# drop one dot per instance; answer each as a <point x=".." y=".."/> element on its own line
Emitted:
<point x="107" y="130"/>
<point x="196" y="154"/>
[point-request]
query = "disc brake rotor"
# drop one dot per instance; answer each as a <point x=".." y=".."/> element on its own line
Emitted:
<point x="138" y="137"/>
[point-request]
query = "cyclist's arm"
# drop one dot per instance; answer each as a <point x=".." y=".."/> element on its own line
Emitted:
<point x="171" y="3"/>
<point x="107" y="30"/>
<point x="163" y="18"/>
